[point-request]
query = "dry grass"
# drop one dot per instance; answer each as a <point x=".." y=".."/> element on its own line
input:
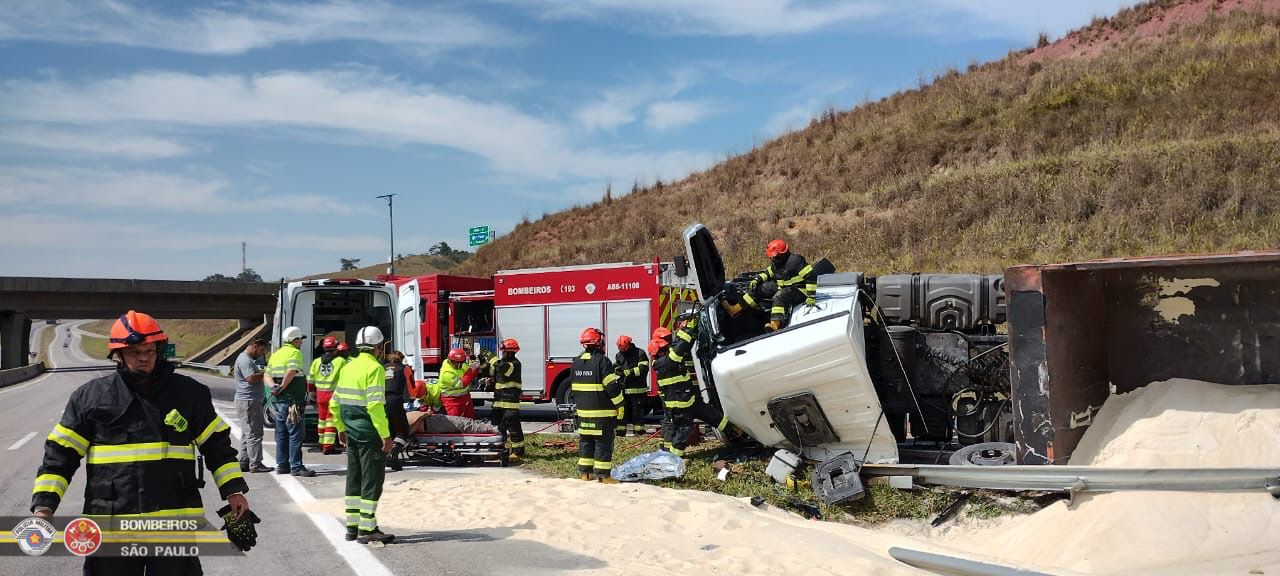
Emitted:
<point x="189" y="336"/>
<point x="1162" y="145"/>
<point x="416" y="265"/>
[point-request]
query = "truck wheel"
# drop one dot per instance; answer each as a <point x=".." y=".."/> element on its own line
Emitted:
<point x="986" y="454"/>
<point x="564" y="391"/>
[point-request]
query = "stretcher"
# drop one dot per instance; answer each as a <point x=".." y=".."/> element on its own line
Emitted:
<point x="456" y="450"/>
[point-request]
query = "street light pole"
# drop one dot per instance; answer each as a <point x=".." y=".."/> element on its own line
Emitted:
<point x="391" y="211"/>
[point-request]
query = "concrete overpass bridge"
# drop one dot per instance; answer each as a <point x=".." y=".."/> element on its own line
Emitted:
<point x="24" y="298"/>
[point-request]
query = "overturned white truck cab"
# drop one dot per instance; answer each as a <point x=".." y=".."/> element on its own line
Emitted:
<point x="863" y="369"/>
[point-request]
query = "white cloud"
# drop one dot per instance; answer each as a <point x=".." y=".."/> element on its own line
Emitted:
<point x="793" y="118"/>
<point x="93" y="143"/>
<point x="723" y="17"/>
<point x="67" y="245"/>
<point x="371" y="106"/>
<point x="139" y="190"/>
<point x="614" y="108"/>
<point x="239" y="27"/>
<point x="671" y="114"/>
<point x="1021" y="18"/>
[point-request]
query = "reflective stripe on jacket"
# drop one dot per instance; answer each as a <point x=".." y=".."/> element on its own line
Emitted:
<point x="358" y="405"/>
<point x="325" y="374"/>
<point x="506" y="383"/>
<point x="139" y="446"/>
<point x="597" y="391"/>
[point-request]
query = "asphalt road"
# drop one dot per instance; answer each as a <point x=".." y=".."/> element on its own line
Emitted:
<point x="291" y="540"/>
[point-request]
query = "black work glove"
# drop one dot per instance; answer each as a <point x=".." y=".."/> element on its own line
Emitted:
<point x="240" y="531"/>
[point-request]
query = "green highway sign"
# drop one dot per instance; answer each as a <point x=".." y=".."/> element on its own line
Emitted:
<point x="479" y="235"/>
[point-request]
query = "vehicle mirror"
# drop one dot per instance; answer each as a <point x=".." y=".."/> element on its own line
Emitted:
<point x="682" y="266"/>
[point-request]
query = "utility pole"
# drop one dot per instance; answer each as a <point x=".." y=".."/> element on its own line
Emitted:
<point x="391" y="211"/>
<point x="243" y="261"/>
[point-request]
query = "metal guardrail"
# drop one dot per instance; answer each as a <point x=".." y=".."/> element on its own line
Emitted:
<point x="1075" y="479"/>
<point x="21" y="374"/>
<point x="222" y="370"/>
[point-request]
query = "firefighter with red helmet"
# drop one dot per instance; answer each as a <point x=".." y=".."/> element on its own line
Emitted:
<point x="681" y="397"/>
<point x="635" y="385"/>
<point x="789" y="280"/>
<point x="139" y="431"/>
<point x="324" y="375"/>
<point x="506" y="397"/>
<point x="454" y="385"/>
<point x="344" y="351"/>
<point x="597" y="392"/>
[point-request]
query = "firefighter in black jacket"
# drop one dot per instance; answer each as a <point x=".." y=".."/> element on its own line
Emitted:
<point x="139" y="430"/>
<point x="679" y="389"/>
<point x="597" y="390"/>
<point x="635" y="385"/>
<point x="506" y="398"/>
<point x="795" y="283"/>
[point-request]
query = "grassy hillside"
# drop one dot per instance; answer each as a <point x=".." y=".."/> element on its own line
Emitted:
<point x="189" y="336"/>
<point x="416" y="265"/>
<point x="1141" y="134"/>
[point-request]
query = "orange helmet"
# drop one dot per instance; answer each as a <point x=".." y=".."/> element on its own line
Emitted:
<point x="591" y="337"/>
<point x="135" y="328"/>
<point x="458" y="355"/>
<point x="510" y="345"/>
<point x="775" y="248"/>
<point x="329" y="343"/>
<point x="662" y="333"/>
<point x="624" y="342"/>
<point x="655" y="345"/>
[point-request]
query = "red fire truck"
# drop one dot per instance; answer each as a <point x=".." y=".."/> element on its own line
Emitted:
<point x="438" y="312"/>
<point x="547" y="308"/>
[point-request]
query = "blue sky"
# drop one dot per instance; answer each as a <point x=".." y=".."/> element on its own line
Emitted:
<point x="150" y="139"/>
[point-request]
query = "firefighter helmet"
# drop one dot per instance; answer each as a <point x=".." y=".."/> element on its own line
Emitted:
<point x="510" y="345"/>
<point x="624" y="342"/>
<point x="329" y="343"/>
<point x="458" y="355"/>
<point x="342" y="347"/>
<point x="591" y="337"/>
<point x="662" y="333"/>
<point x="135" y="328"/>
<point x="655" y="346"/>
<point x="291" y="333"/>
<point x="369" y="337"/>
<point x="775" y="248"/>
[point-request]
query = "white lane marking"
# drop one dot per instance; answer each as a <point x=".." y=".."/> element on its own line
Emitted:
<point x="24" y="440"/>
<point x="358" y="557"/>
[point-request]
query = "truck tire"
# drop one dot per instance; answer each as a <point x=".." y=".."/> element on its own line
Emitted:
<point x="564" y="392"/>
<point x="985" y="454"/>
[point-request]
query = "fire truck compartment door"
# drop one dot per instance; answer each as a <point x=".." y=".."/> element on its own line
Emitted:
<point x="630" y="318"/>
<point x="409" y="322"/>
<point x="565" y="323"/>
<point x="525" y="324"/>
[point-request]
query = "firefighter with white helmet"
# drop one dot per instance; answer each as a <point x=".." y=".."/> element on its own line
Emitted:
<point x="358" y="408"/>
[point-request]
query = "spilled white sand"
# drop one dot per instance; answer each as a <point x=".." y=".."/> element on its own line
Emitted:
<point x="1177" y="423"/>
<point x="642" y="529"/>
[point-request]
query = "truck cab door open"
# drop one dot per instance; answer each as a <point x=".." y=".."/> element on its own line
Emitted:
<point x="705" y="264"/>
<point x="409" y="320"/>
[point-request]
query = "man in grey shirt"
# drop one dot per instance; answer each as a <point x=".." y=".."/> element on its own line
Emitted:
<point x="249" y="408"/>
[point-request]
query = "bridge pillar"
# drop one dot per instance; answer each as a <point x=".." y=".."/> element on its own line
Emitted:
<point x="15" y="340"/>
